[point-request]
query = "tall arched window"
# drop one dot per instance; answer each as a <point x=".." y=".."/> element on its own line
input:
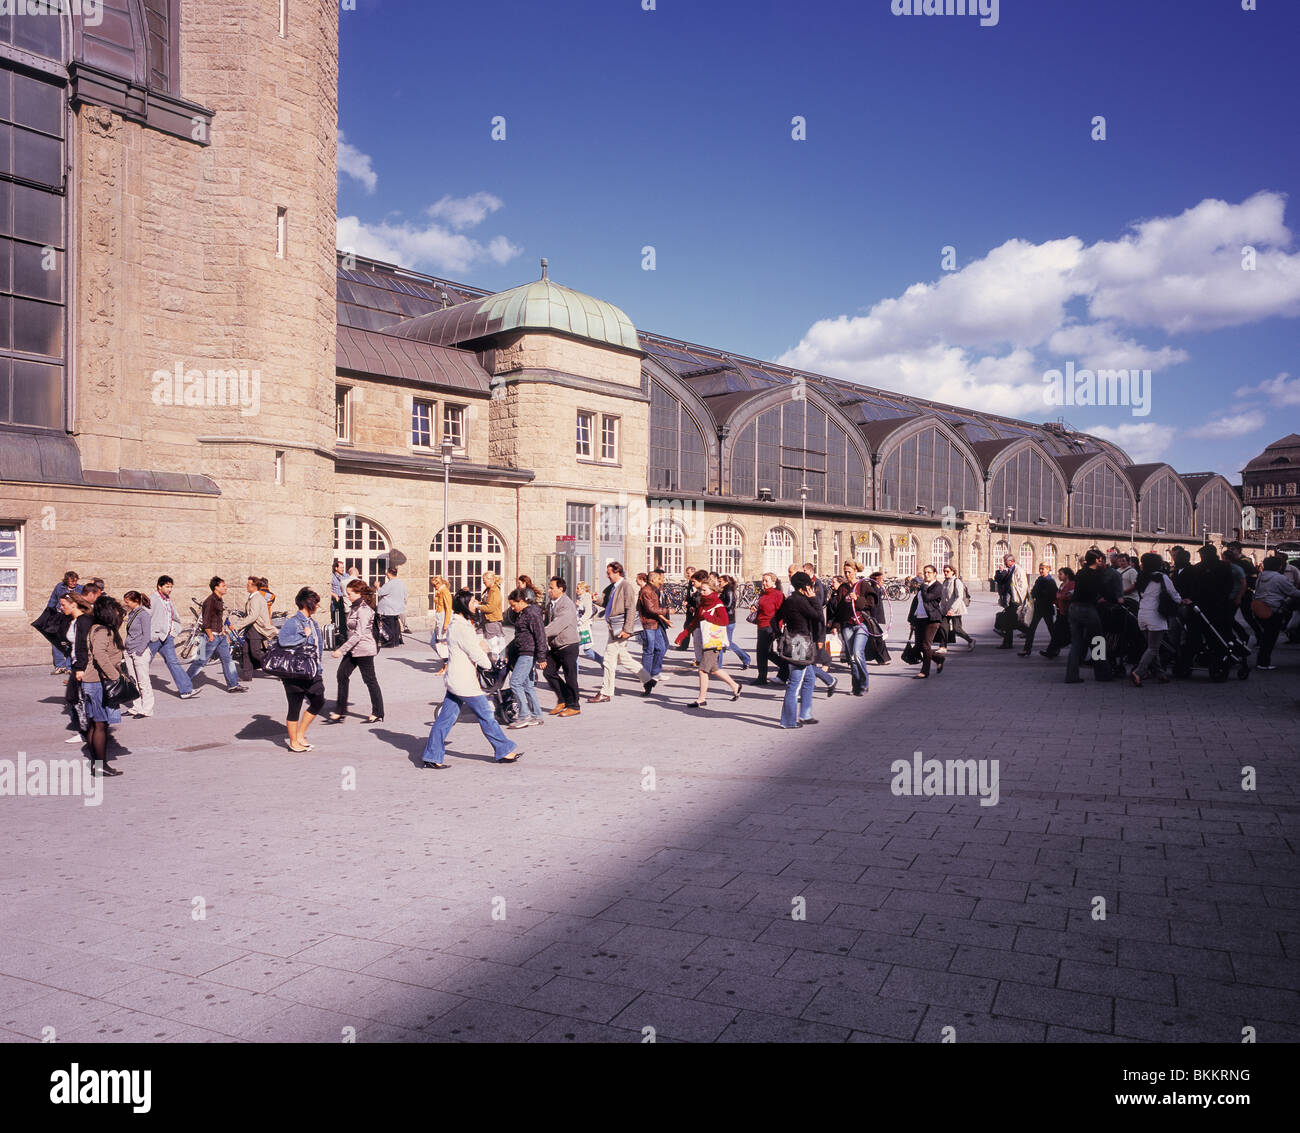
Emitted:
<point x="1217" y="509"/>
<point x="361" y="544"/>
<point x="1102" y="501"/>
<point x="778" y="551"/>
<point x="666" y="546"/>
<point x="940" y="553"/>
<point x="471" y="550"/>
<point x="868" y="554"/>
<point x="905" y="556"/>
<point x="974" y="561"/>
<point x="1028" y="483"/>
<point x="678" y="454"/>
<point x="1049" y="555"/>
<point x="794" y="444"/>
<point x="1026" y="556"/>
<point x="1166" y="504"/>
<point x="726" y="549"/>
<point x="928" y="470"/>
<point x="1001" y="550"/>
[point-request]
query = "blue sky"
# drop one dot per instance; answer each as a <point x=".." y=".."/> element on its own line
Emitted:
<point x="673" y="128"/>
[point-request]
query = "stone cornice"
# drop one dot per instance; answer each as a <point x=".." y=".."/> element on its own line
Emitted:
<point x="152" y="108"/>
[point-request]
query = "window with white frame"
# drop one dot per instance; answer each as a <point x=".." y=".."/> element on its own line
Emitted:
<point x="361" y="544"/>
<point x="726" y="549"/>
<point x="453" y="425"/>
<point x="940" y="553"/>
<point x="905" y="557"/>
<point x="608" y="438"/>
<point x="421" y="424"/>
<point x="974" y="560"/>
<point x="585" y="424"/>
<point x="1026" y="558"/>
<point x="1000" y="551"/>
<point x="665" y="547"/>
<point x="1049" y="556"/>
<point x="11" y="566"/>
<point x="1279" y="520"/>
<point x="869" y="554"/>
<point x="778" y="552"/>
<point x="343" y="413"/>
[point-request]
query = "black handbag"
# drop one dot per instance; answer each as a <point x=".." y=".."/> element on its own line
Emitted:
<point x="298" y="661"/>
<point x="1167" y="606"/>
<point x="912" y="650"/>
<point x="796" y="649"/>
<point x="118" y="691"/>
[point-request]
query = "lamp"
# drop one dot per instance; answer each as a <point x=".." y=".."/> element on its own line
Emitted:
<point x="448" y="446"/>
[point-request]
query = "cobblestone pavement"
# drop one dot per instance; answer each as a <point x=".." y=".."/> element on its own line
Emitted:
<point x="227" y="889"/>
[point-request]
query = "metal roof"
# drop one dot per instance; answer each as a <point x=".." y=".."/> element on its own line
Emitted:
<point x="384" y="355"/>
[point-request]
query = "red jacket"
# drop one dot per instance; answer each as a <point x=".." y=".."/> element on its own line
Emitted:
<point x="769" y="603"/>
<point x="711" y="610"/>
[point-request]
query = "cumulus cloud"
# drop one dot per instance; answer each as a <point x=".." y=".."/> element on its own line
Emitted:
<point x="1232" y="425"/>
<point x="464" y="212"/>
<point x="989" y="330"/>
<point x="1145" y="443"/>
<point x="1282" y="390"/>
<point x="355" y="164"/>
<point x="431" y="246"/>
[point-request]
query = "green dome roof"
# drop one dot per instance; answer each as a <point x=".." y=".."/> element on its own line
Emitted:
<point x="540" y="305"/>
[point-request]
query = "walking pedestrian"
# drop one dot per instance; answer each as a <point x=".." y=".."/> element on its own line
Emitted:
<point x="1043" y="597"/>
<point x="492" y="612"/>
<point x="800" y="616"/>
<point x="655" y="621"/>
<point x="1013" y="590"/>
<point x="102" y="661"/>
<point x="441" y="608"/>
<point x="66" y="632"/>
<point x="256" y="626"/>
<point x="1153" y="590"/>
<point x="619" y="613"/>
<point x="338" y="608"/>
<point x="1275" y="597"/>
<point x="358" y="652"/>
<point x="925" y="616"/>
<point x="1085" y="617"/>
<point x="561" y="665"/>
<point x="1060" y="636"/>
<point x="390" y="606"/>
<point x="214" y="640"/>
<point x="710" y="622"/>
<point x="463" y="690"/>
<point x="730" y="604"/>
<point x="769" y="603"/>
<point x="956" y="601"/>
<point x="70" y="585"/>
<point x="165" y="625"/>
<point x="528" y="645"/>
<point x="586" y="610"/>
<point x="139" y="625"/>
<point x="302" y="632"/>
<point x="853" y="607"/>
<point x="523" y="582"/>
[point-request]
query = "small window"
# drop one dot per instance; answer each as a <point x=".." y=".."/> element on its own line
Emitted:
<point x="343" y="413"/>
<point x="1279" y="520"/>
<point x="279" y="467"/>
<point x="422" y="424"/>
<point x="281" y="233"/>
<point x="584" y="434"/>
<point x="609" y="438"/>
<point x="453" y="425"/>
<point x="11" y="566"/>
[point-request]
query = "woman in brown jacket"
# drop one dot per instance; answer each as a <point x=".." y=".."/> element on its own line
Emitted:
<point x="104" y="659"/>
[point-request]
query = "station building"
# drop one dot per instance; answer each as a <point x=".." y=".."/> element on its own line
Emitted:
<point x="194" y="380"/>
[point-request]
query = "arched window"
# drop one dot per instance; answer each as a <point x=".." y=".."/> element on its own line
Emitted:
<point x="1217" y="509"/>
<point x="868" y="554"/>
<point x="726" y="550"/>
<point x="471" y="550"/>
<point x="974" y="561"/>
<point x="1166" y="504"/>
<point x="666" y="545"/>
<point x="361" y="544"/>
<point x="1028" y="483"/>
<point x="679" y="456"/>
<point x="905" y="555"/>
<point x="928" y="470"/>
<point x="1001" y="550"/>
<point x="1026" y="557"/>
<point x="794" y="444"/>
<point x="1102" y="501"/>
<point x="940" y="553"/>
<point x="778" y="552"/>
<point x="1049" y="555"/>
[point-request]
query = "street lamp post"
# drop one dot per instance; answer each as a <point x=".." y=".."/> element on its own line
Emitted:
<point x="1010" y="512"/>
<point x="803" y="520"/>
<point x="447" y="446"/>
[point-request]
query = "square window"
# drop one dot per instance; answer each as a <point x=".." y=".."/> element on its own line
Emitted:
<point x="453" y="425"/>
<point x="11" y="566"/>
<point x="422" y="424"/>
<point x="585" y="421"/>
<point x="609" y="438"/>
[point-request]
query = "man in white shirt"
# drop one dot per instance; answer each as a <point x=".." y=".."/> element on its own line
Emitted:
<point x="1017" y="593"/>
<point x="391" y="606"/>
<point x="619" y="613"/>
<point x="164" y="625"/>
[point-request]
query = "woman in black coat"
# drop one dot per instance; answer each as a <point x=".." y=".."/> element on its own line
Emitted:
<point x="925" y="618"/>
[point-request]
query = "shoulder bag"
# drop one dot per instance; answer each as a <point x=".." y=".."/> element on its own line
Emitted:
<point x="121" y="689"/>
<point x="299" y="661"/>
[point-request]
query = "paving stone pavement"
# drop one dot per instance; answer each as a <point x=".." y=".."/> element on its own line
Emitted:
<point x="228" y="890"/>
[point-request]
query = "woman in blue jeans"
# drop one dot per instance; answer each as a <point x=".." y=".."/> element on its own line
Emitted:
<point x="463" y="690"/>
<point x="800" y="615"/>
<point x="529" y="643"/>
<point x="729" y="601"/>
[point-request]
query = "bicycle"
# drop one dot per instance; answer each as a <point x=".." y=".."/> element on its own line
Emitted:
<point x="192" y="636"/>
<point x="748" y="594"/>
<point x="897" y="589"/>
<point x="674" y="596"/>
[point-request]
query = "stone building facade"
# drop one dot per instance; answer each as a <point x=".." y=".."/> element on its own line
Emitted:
<point x="203" y="385"/>
<point x="1271" y="488"/>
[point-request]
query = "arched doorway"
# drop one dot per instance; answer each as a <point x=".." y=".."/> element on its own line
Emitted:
<point x="778" y="552"/>
<point x="361" y="544"/>
<point x="665" y="546"/>
<point x="726" y="549"/>
<point x="472" y="549"/>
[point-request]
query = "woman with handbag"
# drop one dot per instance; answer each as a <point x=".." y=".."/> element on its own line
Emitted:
<point x="359" y="652"/>
<point x="1158" y="603"/>
<point x="1273" y="590"/>
<point x="297" y="658"/>
<point x="769" y="602"/>
<point x="138" y="626"/>
<point x="729" y="602"/>
<point x="925" y="618"/>
<point x="106" y="654"/>
<point x="802" y="630"/>
<point x="956" y="603"/>
<point x="586" y="611"/>
<point x="1061" y="629"/>
<point x="710" y="618"/>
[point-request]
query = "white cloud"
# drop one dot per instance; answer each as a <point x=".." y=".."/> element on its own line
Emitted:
<point x="1145" y="443"/>
<point x="1282" y="390"/>
<point x="355" y="164"/>
<point x="1233" y="425"/>
<point x="431" y="246"/>
<point x="992" y="328"/>
<point x="464" y="212"/>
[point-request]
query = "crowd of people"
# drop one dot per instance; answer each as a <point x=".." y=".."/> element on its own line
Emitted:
<point x="1146" y="618"/>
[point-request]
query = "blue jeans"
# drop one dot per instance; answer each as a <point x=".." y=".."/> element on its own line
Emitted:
<point x="220" y="646"/>
<point x="61" y="659"/>
<point x="521" y="684"/>
<point x="591" y="655"/>
<point x="435" y="749"/>
<point x="798" y="696"/>
<point x="823" y="676"/>
<point x="855" y="639"/>
<point x="168" y="649"/>
<point x="1085" y="624"/>
<point x="731" y="644"/>
<point x="656" y="648"/>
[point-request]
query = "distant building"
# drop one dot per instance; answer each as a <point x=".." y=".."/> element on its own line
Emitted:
<point x="1271" y="485"/>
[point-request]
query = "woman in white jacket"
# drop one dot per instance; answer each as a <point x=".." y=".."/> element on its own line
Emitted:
<point x="953" y="606"/>
<point x="1151" y="583"/>
<point x="463" y="691"/>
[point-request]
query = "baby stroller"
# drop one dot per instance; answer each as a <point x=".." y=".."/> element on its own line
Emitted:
<point x="1213" y="651"/>
<point x="494" y="683"/>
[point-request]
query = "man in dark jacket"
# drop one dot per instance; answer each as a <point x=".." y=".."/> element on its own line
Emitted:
<point x="1085" y="618"/>
<point x="214" y="636"/>
<point x="654" y="624"/>
<point x="801" y="617"/>
<point x="1043" y="596"/>
<point x="528" y="645"/>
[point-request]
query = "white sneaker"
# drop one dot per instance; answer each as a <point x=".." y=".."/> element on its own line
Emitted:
<point x="190" y="695"/>
<point x="74" y="740"/>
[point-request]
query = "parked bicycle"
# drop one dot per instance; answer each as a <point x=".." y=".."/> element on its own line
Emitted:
<point x="898" y="589"/>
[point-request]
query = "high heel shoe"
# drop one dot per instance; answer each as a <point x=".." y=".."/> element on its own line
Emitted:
<point x="335" y="718"/>
<point x="373" y="720"/>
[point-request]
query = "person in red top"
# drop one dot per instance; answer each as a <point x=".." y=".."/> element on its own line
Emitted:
<point x="1061" y="631"/>
<point x="711" y="616"/>
<point x="769" y="603"/>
